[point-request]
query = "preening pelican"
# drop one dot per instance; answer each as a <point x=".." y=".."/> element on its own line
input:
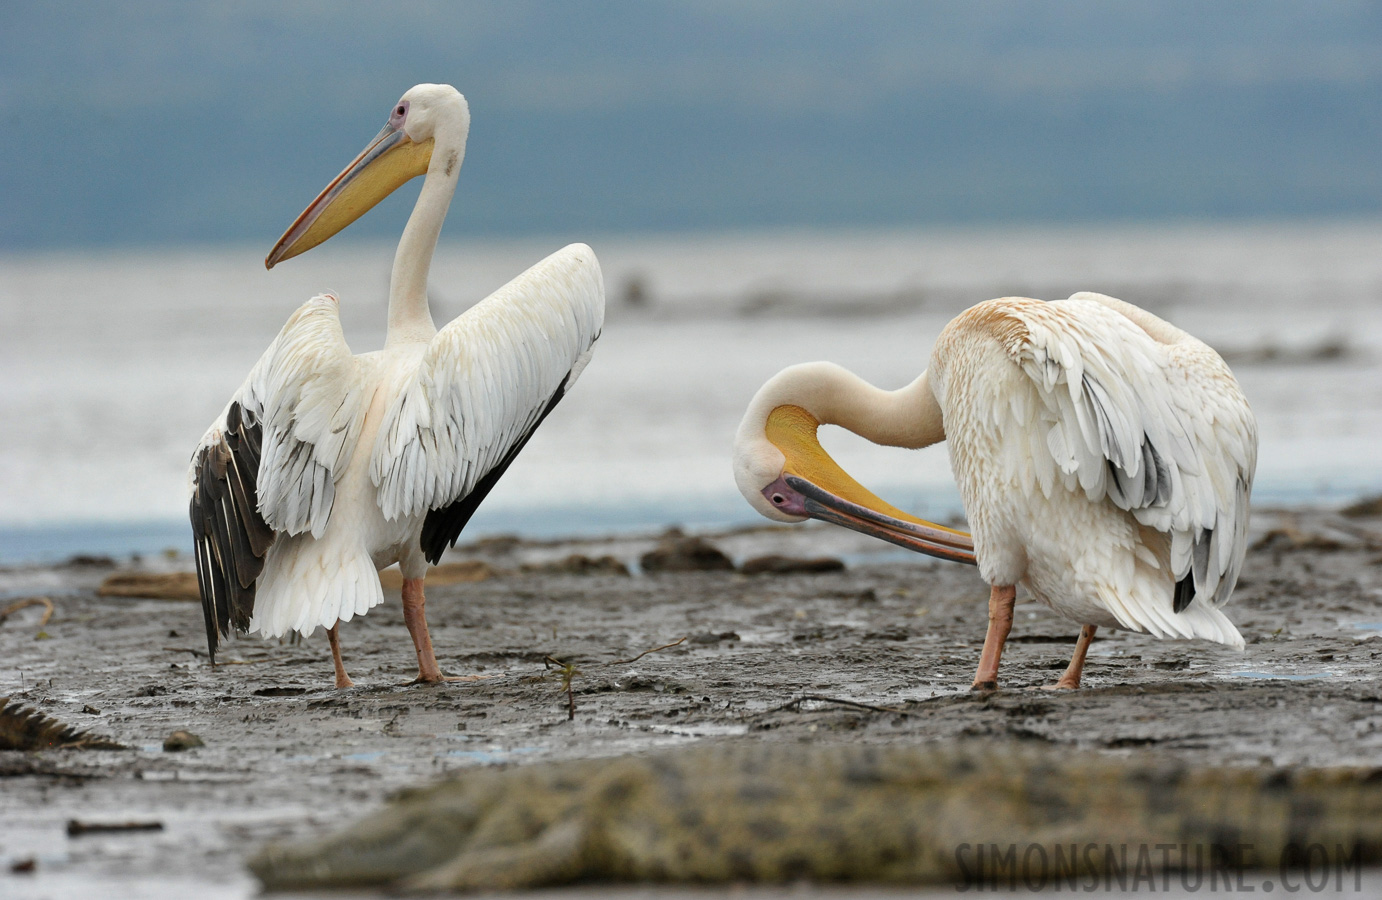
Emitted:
<point x="1105" y="459"/>
<point x="327" y="466"/>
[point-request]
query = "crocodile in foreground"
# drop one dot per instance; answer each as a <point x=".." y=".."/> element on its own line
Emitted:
<point x="779" y="812"/>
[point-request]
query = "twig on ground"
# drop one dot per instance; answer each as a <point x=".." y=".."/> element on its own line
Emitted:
<point x="646" y="652"/>
<point x="30" y="601"/>
<point x="77" y="827"/>
<point x="838" y="701"/>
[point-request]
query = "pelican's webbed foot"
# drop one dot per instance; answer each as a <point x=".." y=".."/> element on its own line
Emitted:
<point x="1070" y="679"/>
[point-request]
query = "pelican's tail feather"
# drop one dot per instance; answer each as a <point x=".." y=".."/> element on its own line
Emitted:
<point x="1138" y="588"/>
<point x="307" y="583"/>
<point x="1210" y="623"/>
<point x="1148" y="608"/>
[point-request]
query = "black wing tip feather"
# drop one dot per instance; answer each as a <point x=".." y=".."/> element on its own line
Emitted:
<point x="443" y="525"/>
<point x="1185" y="593"/>
<point x="231" y="537"/>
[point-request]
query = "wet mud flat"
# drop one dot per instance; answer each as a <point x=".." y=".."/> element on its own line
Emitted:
<point x="580" y="666"/>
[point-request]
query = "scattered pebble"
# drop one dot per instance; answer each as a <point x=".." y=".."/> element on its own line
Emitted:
<point x="177" y="742"/>
<point x="790" y="565"/>
<point x="464" y="572"/>
<point x="88" y="561"/>
<point x="151" y="585"/>
<point x="579" y="564"/>
<point x="710" y="637"/>
<point x="1291" y="539"/>
<point x="1365" y="508"/>
<point x="686" y="554"/>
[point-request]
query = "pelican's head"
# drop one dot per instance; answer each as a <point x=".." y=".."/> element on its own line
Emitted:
<point x="784" y="472"/>
<point x="428" y="116"/>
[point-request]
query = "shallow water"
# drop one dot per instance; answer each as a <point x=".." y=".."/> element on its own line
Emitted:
<point x="114" y="364"/>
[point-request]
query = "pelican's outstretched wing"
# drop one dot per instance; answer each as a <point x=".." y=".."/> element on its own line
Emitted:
<point x="483" y="386"/>
<point x="1142" y="413"/>
<point x="270" y="462"/>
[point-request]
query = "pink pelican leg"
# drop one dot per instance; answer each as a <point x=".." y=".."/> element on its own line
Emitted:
<point x="1071" y="679"/>
<point x="1001" y="599"/>
<point x="415" y="617"/>
<point x="342" y="679"/>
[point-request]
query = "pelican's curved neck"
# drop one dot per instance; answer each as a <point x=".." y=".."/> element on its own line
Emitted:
<point x="907" y="417"/>
<point x="410" y="318"/>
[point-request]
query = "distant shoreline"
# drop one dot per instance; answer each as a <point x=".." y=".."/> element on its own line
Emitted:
<point x="42" y="544"/>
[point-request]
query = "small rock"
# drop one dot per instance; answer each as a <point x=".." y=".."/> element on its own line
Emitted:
<point x="636" y="293"/>
<point x="87" y="561"/>
<point x="498" y="544"/>
<point x="579" y="564"/>
<point x="1291" y="539"/>
<point x="181" y="740"/>
<point x="1365" y="508"/>
<point x="790" y="565"/>
<point x="686" y="554"/>
<point x="151" y="585"/>
<point x="633" y="681"/>
<point x="464" y="572"/>
<point x="892" y="633"/>
<point x="710" y="637"/>
<point x="24" y="866"/>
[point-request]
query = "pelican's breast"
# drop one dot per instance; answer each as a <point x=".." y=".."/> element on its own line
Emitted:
<point x="978" y="386"/>
<point x="387" y="541"/>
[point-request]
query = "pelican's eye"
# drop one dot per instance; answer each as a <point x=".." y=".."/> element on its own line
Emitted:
<point x="779" y="499"/>
<point x="400" y="112"/>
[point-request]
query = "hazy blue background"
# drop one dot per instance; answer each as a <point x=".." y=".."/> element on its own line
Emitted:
<point x="788" y="181"/>
<point x="144" y="123"/>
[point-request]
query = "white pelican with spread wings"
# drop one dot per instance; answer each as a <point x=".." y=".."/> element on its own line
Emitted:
<point x="327" y="466"/>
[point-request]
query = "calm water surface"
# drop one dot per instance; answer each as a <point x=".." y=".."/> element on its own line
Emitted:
<point x="114" y="364"/>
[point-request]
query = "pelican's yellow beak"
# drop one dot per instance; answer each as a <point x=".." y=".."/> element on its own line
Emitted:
<point x="812" y="484"/>
<point x="391" y="159"/>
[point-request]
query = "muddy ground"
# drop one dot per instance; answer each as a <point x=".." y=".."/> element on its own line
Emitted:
<point x="883" y="651"/>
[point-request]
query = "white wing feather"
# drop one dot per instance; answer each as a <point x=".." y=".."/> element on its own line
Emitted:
<point x="306" y="393"/>
<point x="1143" y="414"/>
<point x="484" y="382"/>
